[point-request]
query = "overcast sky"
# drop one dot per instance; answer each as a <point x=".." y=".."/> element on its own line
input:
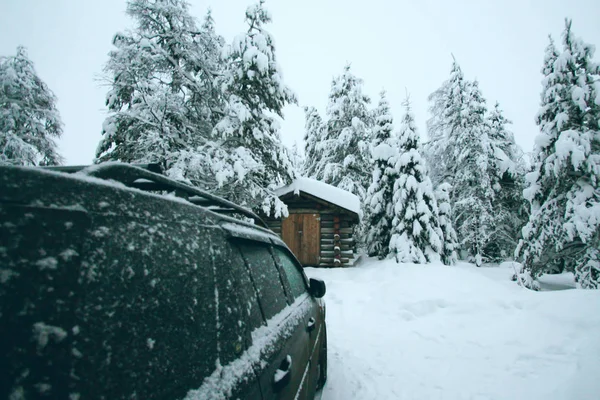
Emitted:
<point x="392" y="44"/>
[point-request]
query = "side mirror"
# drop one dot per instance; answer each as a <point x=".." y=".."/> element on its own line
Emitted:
<point x="317" y="288"/>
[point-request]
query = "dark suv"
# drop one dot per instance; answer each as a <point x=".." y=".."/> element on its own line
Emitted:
<point x="111" y="290"/>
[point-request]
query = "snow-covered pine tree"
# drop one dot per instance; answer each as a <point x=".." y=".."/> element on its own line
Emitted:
<point x="314" y="131"/>
<point x="507" y="171"/>
<point x="536" y="236"/>
<point x="296" y="158"/>
<point x="416" y="234"/>
<point x="384" y="123"/>
<point x="29" y="119"/>
<point x="435" y="150"/>
<point x="250" y="160"/>
<point x="346" y="159"/>
<point x="446" y="105"/>
<point x="507" y="153"/>
<point x="461" y="154"/>
<point x="564" y="189"/>
<point x="442" y="197"/>
<point x="472" y="194"/>
<point x="439" y="160"/>
<point x="162" y="100"/>
<point x="378" y="204"/>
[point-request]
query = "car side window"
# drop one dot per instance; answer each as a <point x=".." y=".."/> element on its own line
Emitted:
<point x="265" y="276"/>
<point x="239" y="311"/>
<point x="293" y="274"/>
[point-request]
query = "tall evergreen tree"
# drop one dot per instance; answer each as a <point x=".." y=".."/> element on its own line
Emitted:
<point x="507" y="171"/>
<point x="253" y="161"/>
<point x="384" y="124"/>
<point x="416" y="234"/>
<point x="435" y="149"/>
<point x="467" y="150"/>
<point x="472" y="194"/>
<point x="29" y="119"/>
<point x="564" y="226"/>
<point x="162" y="99"/>
<point x="442" y="197"/>
<point x="345" y="160"/>
<point x="447" y="104"/>
<point x="180" y="98"/>
<point x="314" y="131"/>
<point x="296" y="158"/>
<point x="508" y="155"/>
<point x="378" y="204"/>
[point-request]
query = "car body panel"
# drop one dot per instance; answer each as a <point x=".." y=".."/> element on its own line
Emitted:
<point x="314" y="318"/>
<point x="35" y="326"/>
<point x="137" y="296"/>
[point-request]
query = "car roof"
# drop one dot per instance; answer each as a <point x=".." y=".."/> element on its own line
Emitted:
<point x="146" y="178"/>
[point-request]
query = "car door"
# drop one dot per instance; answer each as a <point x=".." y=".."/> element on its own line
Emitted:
<point x="239" y="315"/>
<point x="40" y="254"/>
<point x="314" y="318"/>
<point x="283" y="341"/>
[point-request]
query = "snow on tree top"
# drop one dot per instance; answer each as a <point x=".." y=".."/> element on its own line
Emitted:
<point x="323" y="191"/>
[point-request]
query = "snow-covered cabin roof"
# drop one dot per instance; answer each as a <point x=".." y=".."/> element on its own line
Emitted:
<point x="323" y="191"/>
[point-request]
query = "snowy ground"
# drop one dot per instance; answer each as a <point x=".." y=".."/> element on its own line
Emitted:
<point x="436" y="332"/>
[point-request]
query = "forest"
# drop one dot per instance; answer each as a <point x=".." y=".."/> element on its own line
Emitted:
<point x="210" y="112"/>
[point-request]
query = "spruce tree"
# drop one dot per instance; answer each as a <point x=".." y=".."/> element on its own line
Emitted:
<point x="345" y="161"/>
<point x="251" y="160"/>
<point x="442" y="197"/>
<point x="179" y="97"/>
<point x="507" y="153"/>
<point x="507" y="171"/>
<point x="416" y="234"/>
<point x="314" y="131"/>
<point x="378" y="204"/>
<point x="473" y="195"/>
<point x="29" y="119"/>
<point x="461" y="154"/>
<point x="435" y="149"/>
<point x="564" y="227"/>
<point x="448" y="106"/>
<point x="532" y="235"/>
<point x="162" y="99"/>
<point x="296" y="158"/>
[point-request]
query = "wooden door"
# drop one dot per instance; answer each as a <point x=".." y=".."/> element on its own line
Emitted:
<point x="302" y="234"/>
<point x="289" y="232"/>
<point x="310" y="243"/>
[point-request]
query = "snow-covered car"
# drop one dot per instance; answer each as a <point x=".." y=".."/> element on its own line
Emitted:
<point x="112" y="289"/>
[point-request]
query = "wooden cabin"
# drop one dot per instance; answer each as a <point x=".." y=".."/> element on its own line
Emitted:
<point x="319" y="228"/>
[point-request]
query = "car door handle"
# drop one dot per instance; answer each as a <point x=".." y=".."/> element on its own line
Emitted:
<point x="283" y="375"/>
<point x="311" y="324"/>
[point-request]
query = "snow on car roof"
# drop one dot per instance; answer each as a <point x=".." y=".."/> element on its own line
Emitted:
<point x="323" y="191"/>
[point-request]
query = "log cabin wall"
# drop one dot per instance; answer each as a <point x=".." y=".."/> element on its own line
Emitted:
<point x="337" y="242"/>
<point x="337" y="246"/>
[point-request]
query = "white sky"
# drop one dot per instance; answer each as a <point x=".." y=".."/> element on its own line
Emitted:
<point x="396" y="45"/>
